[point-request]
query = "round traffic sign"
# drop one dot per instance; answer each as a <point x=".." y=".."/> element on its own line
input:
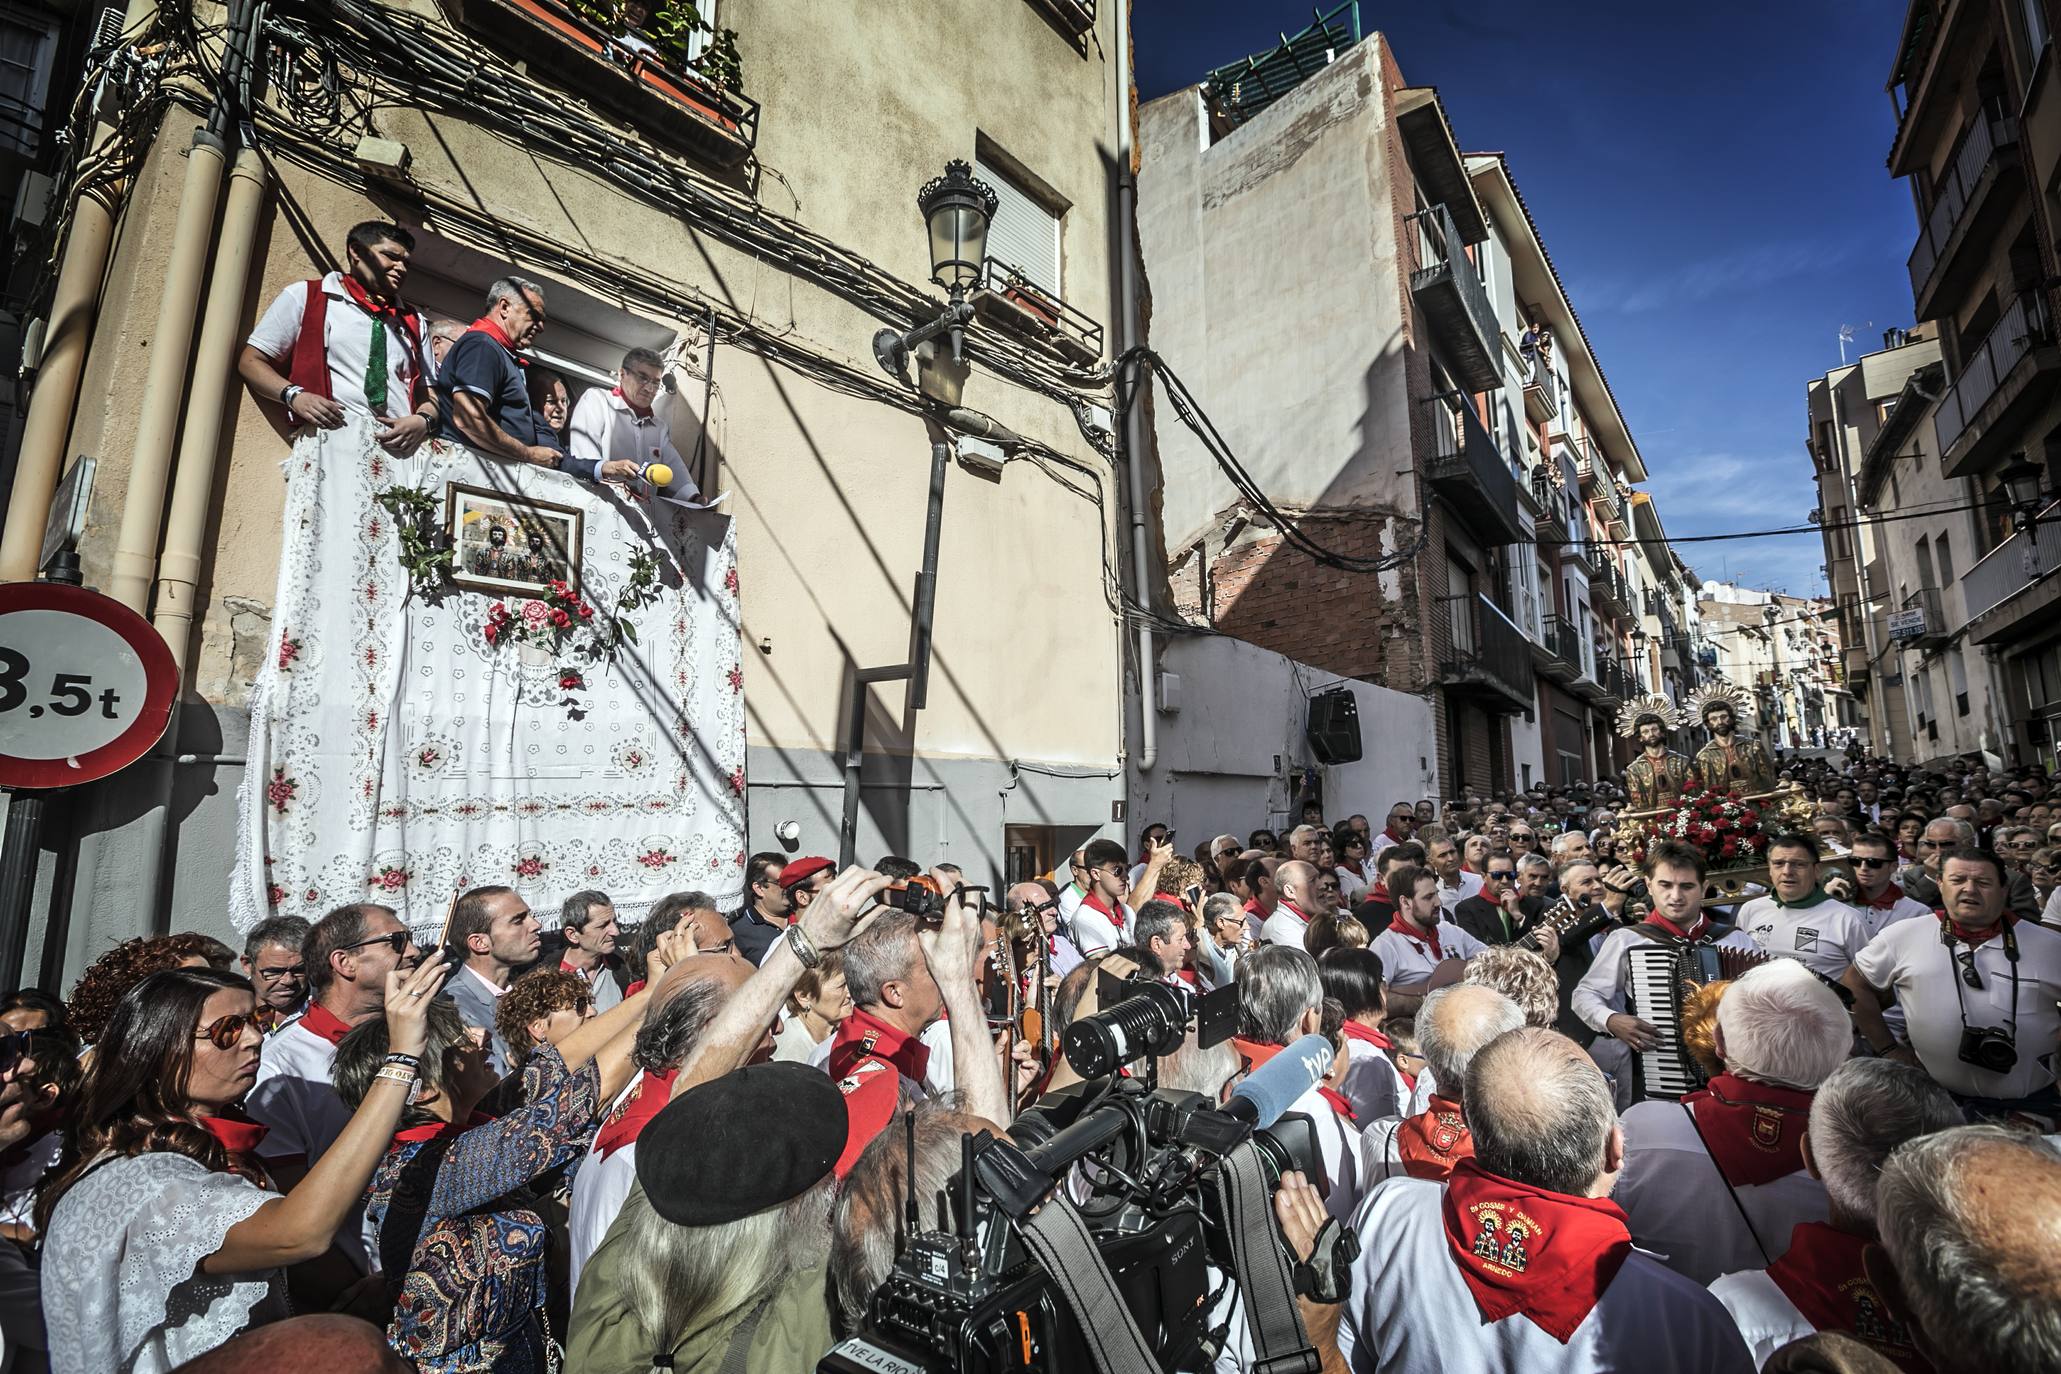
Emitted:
<point x="86" y="685"/>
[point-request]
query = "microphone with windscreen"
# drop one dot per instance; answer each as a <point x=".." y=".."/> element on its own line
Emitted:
<point x="1274" y="1086"/>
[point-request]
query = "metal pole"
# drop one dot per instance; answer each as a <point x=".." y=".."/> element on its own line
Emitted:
<point x="855" y="757"/>
<point x="925" y="605"/>
<point x="18" y="854"/>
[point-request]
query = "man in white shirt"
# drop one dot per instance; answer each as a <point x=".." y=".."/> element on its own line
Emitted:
<point x="1796" y="920"/>
<point x="500" y="934"/>
<point x="347" y="344"/>
<point x="1452" y="1027"/>
<point x="1442" y="857"/>
<point x="1863" y="1112"/>
<point x="1296" y="907"/>
<point x="1878" y="899"/>
<point x="1100" y="921"/>
<point x="1419" y="938"/>
<point x="1978" y="987"/>
<point x="1281" y="999"/>
<point x="1674" y="883"/>
<point x="1402" y="823"/>
<point x="1520" y="1261"/>
<point x="1716" y="1182"/>
<point x="616" y="433"/>
<point x="277" y="972"/>
<point x="348" y="953"/>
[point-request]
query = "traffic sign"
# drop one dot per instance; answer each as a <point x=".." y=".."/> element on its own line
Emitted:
<point x="86" y="685"/>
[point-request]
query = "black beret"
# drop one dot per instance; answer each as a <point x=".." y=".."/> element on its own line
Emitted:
<point x="784" y="1123"/>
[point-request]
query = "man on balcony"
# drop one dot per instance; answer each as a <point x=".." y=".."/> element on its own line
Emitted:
<point x="349" y="345"/>
<point x="483" y="396"/>
<point x="616" y="434"/>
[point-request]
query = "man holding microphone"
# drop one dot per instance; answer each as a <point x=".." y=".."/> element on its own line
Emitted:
<point x="617" y="437"/>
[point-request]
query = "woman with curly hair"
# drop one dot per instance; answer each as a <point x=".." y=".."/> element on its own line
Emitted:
<point x="541" y="1008"/>
<point x="164" y="1237"/>
<point x="121" y="968"/>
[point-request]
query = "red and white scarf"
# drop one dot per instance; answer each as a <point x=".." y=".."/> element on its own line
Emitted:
<point x="1420" y="938"/>
<point x="1434" y="1142"/>
<point x="1824" y="1273"/>
<point x="319" y="1020"/>
<point x="1754" y="1130"/>
<point x="626" y="1122"/>
<point x="1522" y="1250"/>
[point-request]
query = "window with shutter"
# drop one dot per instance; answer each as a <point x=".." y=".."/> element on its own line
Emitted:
<point x="28" y="43"/>
<point x="1025" y="233"/>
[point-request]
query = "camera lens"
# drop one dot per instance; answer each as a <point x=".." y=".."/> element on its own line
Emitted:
<point x="1151" y="1021"/>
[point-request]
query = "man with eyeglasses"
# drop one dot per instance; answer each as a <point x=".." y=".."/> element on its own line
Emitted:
<point x="483" y="396"/>
<point x="347" y="954"/>
<point x="616" y="434"/>
<point x="278" y="974"/>
<point x="1497" y="914"/>
<point x="1040" y="912"/>
<point x="1796" y="919"/>
<point x="1978" y="988"/>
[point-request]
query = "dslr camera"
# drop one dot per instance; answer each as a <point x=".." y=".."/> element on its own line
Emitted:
<point x="1990" y="1048"/>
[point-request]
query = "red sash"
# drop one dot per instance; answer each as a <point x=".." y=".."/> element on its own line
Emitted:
<point x="1419" y="938"/>
<point x="1093" y="902"/>
<point x="1434" y="1142"/>
<point x="1823" y="1273"/>
<point x="1367" y="1035"/>
<point x="862" y="1035"/>
<point x="1754" y="1130"/>
<point x="645" y="1101"/>
<point x="1524" y="1250"/>
<point x="320" y="1020"/>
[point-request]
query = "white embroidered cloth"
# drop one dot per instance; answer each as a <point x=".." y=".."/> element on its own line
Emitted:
<point x="398" y="756"/>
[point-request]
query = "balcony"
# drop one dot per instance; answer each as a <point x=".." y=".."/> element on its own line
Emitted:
<point x="1992" y="589"/>
<point x="1559" y="650"/>
<point x="1609" y="585"/>
<point x="1541" y="392"/>
<point x="1486" y="656"/>
<point x="1007" y="296"/>
<point x="1464" y="333"/>
<point x="1599" y="486"/>
<point x="1615" y="679"/>
<point x="1469" y="475"/>
<point x="1968" y="206"/>
<point x="1921" y="623"/>
<point x="2006" y="379"/>
<point x="654" y="87"/>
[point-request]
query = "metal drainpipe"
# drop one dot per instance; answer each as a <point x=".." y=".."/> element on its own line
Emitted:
<point x="73" y="308"/>
<point x="193" y="478"/>
<point x="1134" y="424"/>
<point x="164" y="385"/>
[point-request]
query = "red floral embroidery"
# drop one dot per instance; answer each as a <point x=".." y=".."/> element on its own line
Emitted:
<point x="391" y="878"/>
<point x="736" y="677"/>
<point x="530" y="866"/>
<point x="281" y="789"/>
<point x="289" y="651"/>
<point x="737" y="780"/>
<point x="657" y="858"/>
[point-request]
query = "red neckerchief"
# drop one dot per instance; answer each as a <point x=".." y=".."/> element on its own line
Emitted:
<point x="1389" y="830"/>
<point x="500" y="336"/>
<point x="1420" y="939"/>
<point x="1338" y="1102"/>
<point x="1694" y="932"/>
<point x="1356" y="867"/>
<point x="1093" y="902"/>
<point x="1285" y="905"/>
<point x="320" y="1020"/>
<point x="1252" y="908"/>
<point x="1974" y="938"/>
<point x="1524" y="1250"/>
<point x="1432" y="1143"/>
<point x="1378" y="892"/>
<point x="1367" y="1035"/>
<point x="1754" y="1130"/>
<point x="645" y="1101"/>
<point x="237" y="1133"/>
<point x="633" y="989"/>
<point x="641" y="412"/>
<point x="436" y="1130"/>
<point x="582" y="974"/>
<point x="1891" y="895"/>
<point x="1188" y="976"/>
<point x="1824" y="1275"/>
<point x="862" y="1035"/>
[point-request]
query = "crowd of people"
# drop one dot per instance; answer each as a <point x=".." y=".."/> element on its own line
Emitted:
<point x="667" y="1146"/>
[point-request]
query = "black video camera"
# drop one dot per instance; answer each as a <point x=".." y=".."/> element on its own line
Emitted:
<point x="1142" y="1165"/>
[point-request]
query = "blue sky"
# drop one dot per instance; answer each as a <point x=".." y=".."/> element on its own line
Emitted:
<point x="1710" y="181"/>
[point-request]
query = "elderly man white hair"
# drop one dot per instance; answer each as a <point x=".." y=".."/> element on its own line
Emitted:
<point x="1717" y="1182"/>
<point x="1452" y="1026"/>
<point x="1546" y="1143"/>
<point x="1864" y="1111"/>
<point x="1967" y="1222"/>
<point x="1280" y="999"/>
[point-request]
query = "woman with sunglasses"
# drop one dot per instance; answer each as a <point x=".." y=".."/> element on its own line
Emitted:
<point x="164" y="1237"/>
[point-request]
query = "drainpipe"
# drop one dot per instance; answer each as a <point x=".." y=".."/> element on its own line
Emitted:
<point x="1134" y="422"/>
<point x="73" y="308"/>
<point x="193" y="479"/>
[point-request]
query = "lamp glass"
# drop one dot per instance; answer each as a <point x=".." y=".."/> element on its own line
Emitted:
<point x="2020" y="481"/>
<point x="958" y="242"/>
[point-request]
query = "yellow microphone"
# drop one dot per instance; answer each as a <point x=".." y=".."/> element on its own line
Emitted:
<point x="658" y="474"/>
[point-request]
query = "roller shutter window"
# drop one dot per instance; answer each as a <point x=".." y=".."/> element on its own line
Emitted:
<point x="1025" y="233"/>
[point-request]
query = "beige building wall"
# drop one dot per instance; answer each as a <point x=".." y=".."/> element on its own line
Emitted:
<point x="860" y="106"/>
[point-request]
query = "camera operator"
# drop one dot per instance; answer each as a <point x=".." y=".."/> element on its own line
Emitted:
<point x="1520" y="1261"/>
<point x="1978" y="987"/>
<point x="1281" y="999"/>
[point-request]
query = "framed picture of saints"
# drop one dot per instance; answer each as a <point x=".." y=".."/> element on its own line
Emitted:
<point x="505" y="543"/>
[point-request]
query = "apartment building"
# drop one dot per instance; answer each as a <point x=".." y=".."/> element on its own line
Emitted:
<point x="1919" y="688"/>
<point x="740" y="204"/>
<point x="1977" y="92"/>
<point x="1785" y="652"/>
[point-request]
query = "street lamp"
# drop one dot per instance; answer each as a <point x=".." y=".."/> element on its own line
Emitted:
<point x="957" y="209"/>
<point x="2020" y="480"/>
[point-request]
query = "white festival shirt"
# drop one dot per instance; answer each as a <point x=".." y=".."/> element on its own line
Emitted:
<point x="1407" y="959"/>
<point x="1767" y="1320"/>
<point x="295" y="1096"/>
<point x="347" y="343"/>
<point x="1411" y="1312"/>
<point x="1825" y="936"/>
<point x="1908" y="959"/>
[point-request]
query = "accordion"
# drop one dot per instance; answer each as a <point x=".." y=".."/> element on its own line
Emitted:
<point x="1659" y="977"/>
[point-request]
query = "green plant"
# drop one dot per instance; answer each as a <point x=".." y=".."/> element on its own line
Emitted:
<point x="639" y="591"/>
<point x="425" y="553"/>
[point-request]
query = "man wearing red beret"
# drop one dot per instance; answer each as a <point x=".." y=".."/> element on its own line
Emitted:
<point x="778" y="895"/>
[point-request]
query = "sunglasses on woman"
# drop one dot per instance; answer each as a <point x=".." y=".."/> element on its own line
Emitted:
<point x="225" y="1031"/>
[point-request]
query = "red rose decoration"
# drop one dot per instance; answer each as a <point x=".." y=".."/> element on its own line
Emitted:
<point x="560" y="618"/>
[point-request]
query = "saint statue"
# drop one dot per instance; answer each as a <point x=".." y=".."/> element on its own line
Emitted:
<point x="1654" y="780"/>
<point x="1729" y="763"/>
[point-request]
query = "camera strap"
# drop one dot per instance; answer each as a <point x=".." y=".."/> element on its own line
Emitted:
<point x="1280" y="1345"/>
<point x="1059" y="1240"/>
